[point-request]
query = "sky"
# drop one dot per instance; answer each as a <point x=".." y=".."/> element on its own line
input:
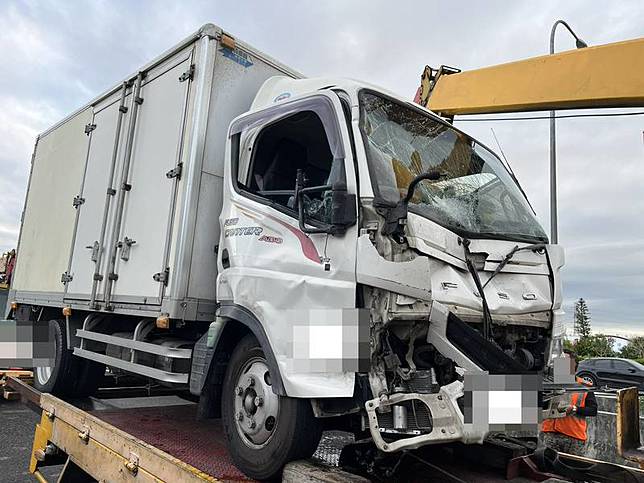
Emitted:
<point x="58" y="55"/>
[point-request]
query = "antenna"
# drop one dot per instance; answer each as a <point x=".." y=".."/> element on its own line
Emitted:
<point x="507" y="164"/>
<point x="509" y="168"/>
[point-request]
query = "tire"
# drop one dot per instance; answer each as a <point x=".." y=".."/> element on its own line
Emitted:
<point x="70" y="375"/>
<point x="591" y="378"/>
<point x="293" y="433"/>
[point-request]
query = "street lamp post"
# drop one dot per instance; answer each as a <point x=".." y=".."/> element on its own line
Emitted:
<point x="554" y="232"/>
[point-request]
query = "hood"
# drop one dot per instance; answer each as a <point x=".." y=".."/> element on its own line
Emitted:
<point x="523" y="286"/>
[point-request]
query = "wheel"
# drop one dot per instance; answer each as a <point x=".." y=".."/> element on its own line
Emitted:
<point x="264" y="431"/>
<point x="69" y="375"/>
<point x="589" y="379"/>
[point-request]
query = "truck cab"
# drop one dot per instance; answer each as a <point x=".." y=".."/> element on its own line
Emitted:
<point x="368" y="297"/>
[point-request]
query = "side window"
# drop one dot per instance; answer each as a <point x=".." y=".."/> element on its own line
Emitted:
<point x="603" y="364"/>
<point x="621" y="365"/>
<point x="271" y="158"/>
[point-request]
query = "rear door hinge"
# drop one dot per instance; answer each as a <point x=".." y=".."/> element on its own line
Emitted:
<point x="89" y="128"/>
<point x="66" y="277"/>
<point x="188" y="75"/>
<point x="78" y="200"/>
<point x="176" y="172"/>
<point x="162" y="276"/>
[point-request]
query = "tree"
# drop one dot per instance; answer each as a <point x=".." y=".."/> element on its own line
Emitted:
<point x="595" y="346"/>
<point x="634" y="349"/>
<point x="568" y="344"/>
<point x="582" y="319"/>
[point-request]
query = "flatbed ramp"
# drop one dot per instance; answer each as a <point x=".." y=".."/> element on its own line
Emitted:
<point x="108" y="453"/>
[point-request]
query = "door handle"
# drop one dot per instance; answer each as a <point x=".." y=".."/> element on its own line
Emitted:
<point x="95" y="249"/>
<point x="125" y="248"/>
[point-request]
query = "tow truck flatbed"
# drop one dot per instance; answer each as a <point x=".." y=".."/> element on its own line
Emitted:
<point x="126" y="439"/>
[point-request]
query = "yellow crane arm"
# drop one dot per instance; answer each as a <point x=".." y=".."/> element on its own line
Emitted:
<point x="610" y="75"/>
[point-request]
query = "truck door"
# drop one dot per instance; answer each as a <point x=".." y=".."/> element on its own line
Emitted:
<point x="294" y="283"/>
<point x="144" y="234"/>
<point x="106" y="132"/>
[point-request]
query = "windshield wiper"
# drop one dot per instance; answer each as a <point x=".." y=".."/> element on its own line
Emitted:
<point x="487" y="316"/>
<point x="508" y="257"/>
<point x="393" y="225"/>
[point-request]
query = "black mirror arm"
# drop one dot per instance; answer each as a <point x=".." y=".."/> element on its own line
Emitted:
<point x="399" y="212"/>
<point x="432" y="176"/>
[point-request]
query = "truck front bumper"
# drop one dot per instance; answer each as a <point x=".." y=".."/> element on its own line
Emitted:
<point x="447" y="419"/>
<point x="448" y="422"/>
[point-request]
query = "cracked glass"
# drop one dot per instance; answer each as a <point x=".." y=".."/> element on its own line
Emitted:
<point x="474" y="194"/>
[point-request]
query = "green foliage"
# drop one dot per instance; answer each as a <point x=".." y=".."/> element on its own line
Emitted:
<point x="594" y="346"/>
<point x="634" y="349"/>
<point x="582" y="319"/>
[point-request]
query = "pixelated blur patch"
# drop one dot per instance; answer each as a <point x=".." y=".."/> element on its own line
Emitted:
<point x="324" y="341"/>
<point x="505" y="407"/>
<point x="26" y="344"/>
<point x="502" y="402"/>
<point x="563" y="370"/>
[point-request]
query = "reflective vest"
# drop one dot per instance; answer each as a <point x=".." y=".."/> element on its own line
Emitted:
<point x="573" y="426"/>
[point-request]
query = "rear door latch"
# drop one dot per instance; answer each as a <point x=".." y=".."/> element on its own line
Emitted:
<point x="125" y="248"/>
<point x="95" y="249"/>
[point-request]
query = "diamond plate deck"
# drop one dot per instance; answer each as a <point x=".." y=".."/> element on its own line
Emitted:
<point x="176" y="431"/>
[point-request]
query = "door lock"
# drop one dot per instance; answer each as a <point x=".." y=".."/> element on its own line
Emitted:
<point x="95" y="249"/>
<point x="125" y="248"/>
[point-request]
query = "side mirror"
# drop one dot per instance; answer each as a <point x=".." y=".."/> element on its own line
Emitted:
<point x="343" y="208"/>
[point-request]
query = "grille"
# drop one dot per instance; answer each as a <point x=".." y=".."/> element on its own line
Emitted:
<point x="419" y="417"/>
<point x="424" y="382"/>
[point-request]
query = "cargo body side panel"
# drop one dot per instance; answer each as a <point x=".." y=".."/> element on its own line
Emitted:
<point x="49" y="219"/>
<point x="147" y="213"/>
<point x="189" y="95"/>
<point x="238" y="75"/>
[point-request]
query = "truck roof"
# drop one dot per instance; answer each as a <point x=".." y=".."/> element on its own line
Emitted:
<point x="282" y="87"/>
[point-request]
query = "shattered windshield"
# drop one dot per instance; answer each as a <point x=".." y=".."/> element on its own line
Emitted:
<point x="474" y="195"/>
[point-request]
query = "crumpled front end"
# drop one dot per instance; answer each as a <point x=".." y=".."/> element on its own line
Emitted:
<point x="428" y="343"/>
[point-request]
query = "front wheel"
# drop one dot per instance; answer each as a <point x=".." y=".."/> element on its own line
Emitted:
<point x="264" y="431"/>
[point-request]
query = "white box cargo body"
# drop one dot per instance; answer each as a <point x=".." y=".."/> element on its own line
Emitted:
<point x="124" y="195"/>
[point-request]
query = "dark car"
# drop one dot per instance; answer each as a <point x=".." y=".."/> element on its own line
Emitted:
<point x="613" y="372"/>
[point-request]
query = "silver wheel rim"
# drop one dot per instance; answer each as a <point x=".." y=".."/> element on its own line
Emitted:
<point x="588" y="380"/>
<point x="43" y="374"/>
<point x="256" y="405"/>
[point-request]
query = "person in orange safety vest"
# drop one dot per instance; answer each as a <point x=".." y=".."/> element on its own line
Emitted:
<point x="568" y="434"/>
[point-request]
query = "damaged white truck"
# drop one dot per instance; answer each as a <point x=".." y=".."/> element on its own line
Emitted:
<point x="301" y="253"/>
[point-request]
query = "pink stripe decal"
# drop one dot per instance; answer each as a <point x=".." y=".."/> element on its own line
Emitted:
<point x="308" y="247"/>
